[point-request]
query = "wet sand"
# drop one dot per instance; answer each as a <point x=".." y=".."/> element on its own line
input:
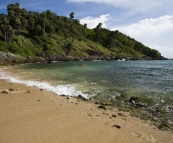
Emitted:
<point x="31" y="115"/>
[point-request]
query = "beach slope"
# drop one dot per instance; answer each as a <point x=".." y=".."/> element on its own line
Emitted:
<point x="32" y="115"/>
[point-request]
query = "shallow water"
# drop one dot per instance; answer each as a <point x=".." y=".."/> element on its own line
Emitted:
<point x="152" y="81"/>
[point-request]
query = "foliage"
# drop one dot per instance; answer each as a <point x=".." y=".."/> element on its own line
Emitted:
<point x="32" y="33"/>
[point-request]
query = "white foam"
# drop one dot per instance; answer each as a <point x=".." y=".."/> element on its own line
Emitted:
<point x="59" y="89"/>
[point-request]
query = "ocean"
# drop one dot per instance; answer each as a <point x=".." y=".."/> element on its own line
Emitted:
<point x="151" y="81"/>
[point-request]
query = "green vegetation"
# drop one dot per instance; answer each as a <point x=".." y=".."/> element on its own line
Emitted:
<point x="29" y="33"/>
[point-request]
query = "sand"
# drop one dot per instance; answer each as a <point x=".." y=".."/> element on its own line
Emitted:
<point x="43" y="117"/>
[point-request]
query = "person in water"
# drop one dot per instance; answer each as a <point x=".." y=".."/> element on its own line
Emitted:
<point x="82" y="64"/>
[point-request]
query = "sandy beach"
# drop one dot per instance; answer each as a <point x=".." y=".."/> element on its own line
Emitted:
<point x="32" y="115"/>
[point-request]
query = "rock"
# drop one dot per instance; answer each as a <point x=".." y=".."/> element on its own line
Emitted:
<point x="82" y="98"/>
<point x="113" y="115"/>
<point x="163" y="127"/>
<point x="133" y="99"/>
<point x="140" y="104"/>
<point x="120" y="114"/>
<point x="5" y="92"/>
<point x="11" y="89"/>
<point x="106" y="103"/>
<point x="102" y="107"/>
<point x="28" y="91"/>
<point x="96" y="102"/>
<point x="117" y="126"/>
<point x="105" y="113"/>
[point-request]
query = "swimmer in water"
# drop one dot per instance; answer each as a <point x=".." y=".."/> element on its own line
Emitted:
<point x="82" y="64"/>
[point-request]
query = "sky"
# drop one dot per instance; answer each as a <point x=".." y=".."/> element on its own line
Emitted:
<point x="147" y="21"/>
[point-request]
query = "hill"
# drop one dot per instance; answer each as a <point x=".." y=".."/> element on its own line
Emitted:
<point x="45" y="34"/>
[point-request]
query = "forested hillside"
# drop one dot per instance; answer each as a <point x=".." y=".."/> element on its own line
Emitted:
<point x="29" y="33"/>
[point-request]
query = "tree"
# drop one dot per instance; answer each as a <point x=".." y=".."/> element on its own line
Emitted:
<point x="17" y="25"/>
<point x="9" y="33"/>
<point x="24" y="22"/>
<point x="97" y="31"/>
<point x="85" y="25"/>
<point x="72" y="15"/>
<point x="31" y="22"/>
<point x="14" y="13"/>
<point x="44" y="21"/>
<point x="38" y="30"/>
<point x="3" y="23"/>
<point x="99" y="26"/>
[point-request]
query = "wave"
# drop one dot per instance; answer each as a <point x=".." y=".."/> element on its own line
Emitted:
<point x="67" y="89"/>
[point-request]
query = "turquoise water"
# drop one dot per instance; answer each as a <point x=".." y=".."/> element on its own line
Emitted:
<point x="152" y="81"/>
<point x="136" y="78"/>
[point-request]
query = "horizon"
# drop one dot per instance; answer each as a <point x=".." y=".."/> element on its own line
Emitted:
<point x="149" y="22"/>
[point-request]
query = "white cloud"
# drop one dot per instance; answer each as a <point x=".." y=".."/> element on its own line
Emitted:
<point x="92" y="22"/>
<point x="155" y="33"/>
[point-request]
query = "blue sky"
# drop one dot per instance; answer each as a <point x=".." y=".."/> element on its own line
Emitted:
<point x="148" y="21"/>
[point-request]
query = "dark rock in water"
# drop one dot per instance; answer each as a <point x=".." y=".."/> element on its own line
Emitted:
<point x="102" y="107"/>
<point x="106" y="103"/>
<point x="49" y="61"/>
<point x="82" y="98"/>
<point x="134" y="99"/>
<point x="140" y="104"/>
<point x="117" y="126"/>
<point x="96" y="102"/>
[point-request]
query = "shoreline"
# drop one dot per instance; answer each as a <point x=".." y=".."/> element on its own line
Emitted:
<point x="29" y="114"/>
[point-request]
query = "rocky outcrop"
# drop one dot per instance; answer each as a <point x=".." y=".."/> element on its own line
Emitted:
<point x="11" y="59"/>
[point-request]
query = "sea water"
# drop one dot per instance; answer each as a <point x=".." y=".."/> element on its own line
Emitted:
<point x="152" y="81"/>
